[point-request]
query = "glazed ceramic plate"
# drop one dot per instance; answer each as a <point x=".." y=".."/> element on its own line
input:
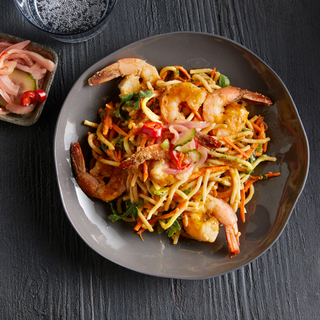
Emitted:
<point x="32" y="117"/>
<point x="273" y="202"/>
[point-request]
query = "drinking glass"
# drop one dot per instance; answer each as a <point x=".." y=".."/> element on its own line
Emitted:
<point x="67" y="20"/>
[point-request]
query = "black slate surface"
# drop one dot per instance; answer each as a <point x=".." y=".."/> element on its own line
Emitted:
<point x="48" y="272"/>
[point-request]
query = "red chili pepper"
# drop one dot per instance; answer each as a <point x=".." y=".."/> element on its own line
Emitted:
<point x="178" y="157"/>
<point x="152" y="129"/>
<point x="30" y="97"/>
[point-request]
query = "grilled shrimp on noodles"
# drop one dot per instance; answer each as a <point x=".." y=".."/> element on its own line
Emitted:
<point x="133" y="70"/>
<point x="221" y="107"/>
<point x="159" y="175"/>
<point x="175" y="94"/>
<point x="226" y="216"/>
<point x="93" y="182"/>
<point x="203" y="225"/>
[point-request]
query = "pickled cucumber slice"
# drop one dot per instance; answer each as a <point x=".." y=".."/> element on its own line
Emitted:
<point x="23" y="79"/>
<point x="186" y="137"/>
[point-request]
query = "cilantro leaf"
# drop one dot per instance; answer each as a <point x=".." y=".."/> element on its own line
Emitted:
<point x="174" y="228"/>
<point x="132" y="209"/>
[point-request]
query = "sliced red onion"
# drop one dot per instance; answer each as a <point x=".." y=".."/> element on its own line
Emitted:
<point x="174" y="129"/>
<point x="22" y="58"/>
<point x="36" y="73"/>
<point x="8" y="67"/>
<point x="185" y="175"/>
<point x="204" y="156"/>
<point x="3" y="111"/>
<point x="15" y="108"/>
<point x="177" y="171"/>
<point x="5" y="96"/>
<point x="190" y="124"/>
<point x="18" y="46"/>
<point x="7" y="85"/>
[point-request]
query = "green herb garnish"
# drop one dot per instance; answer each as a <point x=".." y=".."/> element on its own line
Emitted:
<point x="224" y="81"/>
<point x="174" y="228"/>
<point x="132" y="209"/>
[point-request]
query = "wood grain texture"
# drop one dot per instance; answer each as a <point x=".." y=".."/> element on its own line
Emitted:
<point x="48" y="272"/>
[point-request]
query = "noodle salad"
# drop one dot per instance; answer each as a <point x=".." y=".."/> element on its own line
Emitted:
<point x="176" y="152"/>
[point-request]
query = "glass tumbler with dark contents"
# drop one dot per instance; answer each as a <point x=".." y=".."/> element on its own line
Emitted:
<point x="67" y="20"/>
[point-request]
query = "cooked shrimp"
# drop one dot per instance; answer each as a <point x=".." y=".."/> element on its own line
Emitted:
<point x="175" y="94"/>
<point x="93" y="183"/>
<point x="158" y="175"/>
<point x="153" y="152"/>
<point x="226" y="216"/>
<point x="221" y="107"/>
<point x="133" y="70"/>
<point x="201" y="226"/>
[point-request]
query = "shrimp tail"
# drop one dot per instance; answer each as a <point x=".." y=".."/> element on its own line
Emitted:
<point x="86" y="182"/>
<point x="226" y="215"/>
<point x="207" y="140"/>
<point x="120" y="68"/>
<point x="232" y="240"/>
<point x="255" y="98"/>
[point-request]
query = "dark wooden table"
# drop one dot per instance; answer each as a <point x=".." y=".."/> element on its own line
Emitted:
<point x="48" y="272"/>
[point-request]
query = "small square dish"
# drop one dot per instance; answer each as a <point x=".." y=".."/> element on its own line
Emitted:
<point x="33" y="116"/>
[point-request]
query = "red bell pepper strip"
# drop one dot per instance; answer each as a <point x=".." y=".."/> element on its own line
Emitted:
<point x="30" y="97"/>
<point x="178" y="157"/>
<point x="152" y="129"/>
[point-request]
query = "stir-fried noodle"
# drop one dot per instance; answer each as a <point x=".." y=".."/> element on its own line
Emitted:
<point x="181" y="150"/>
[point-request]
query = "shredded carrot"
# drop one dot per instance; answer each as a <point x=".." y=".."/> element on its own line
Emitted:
<point x="138" y="225"/>
<point x="256" y="127"/>
<point x="144" y="140"/>
<point x="164" y="75"/>
<point x="119" y="155"/>
<point x="173" y="212"/>
<point x="203" y="171"/>
<point x="243" y="197"/>
<point x="133" y="132"/>
<point x="229" y="142"/>
<point x="197" y="83"/>
<point x="150" y="102"/>
<point x="259" y="120"/>
<point x="110" y="106"/>
<point x="119" y="130"/>
<point x="224" y="194"/>
<point x="272" y="174"/>
<point x="196" y="113"/>
<point x="247" y="184"/>
<point x="181" y="79"/>
<point x="111" y="134"/>
<point x="145" y="171"/>
<point x="139" y="233"/>
<point x="151" y="141"/>
<point x="239" y="168"/>
<point x="106" y="121"/>
<point x="184" y="71"/>
<point x="213" y="72"/>
<point x="111" y="155"/>
<point x="265" y="146"/>
<point x="252" y="149"/>
<point x="133" y="124"/>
